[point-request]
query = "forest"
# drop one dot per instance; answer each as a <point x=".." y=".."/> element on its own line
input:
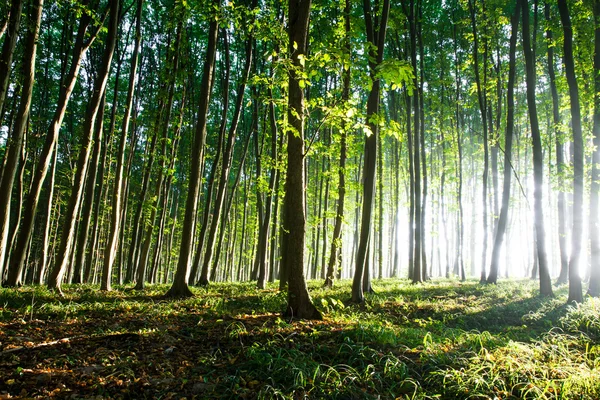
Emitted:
<point x="300" y="199"/>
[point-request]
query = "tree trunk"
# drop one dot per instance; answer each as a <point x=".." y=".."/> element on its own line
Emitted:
<point x="294" y="222"/>
<point x="17" y="137"/>
<point x="481" y="95"/>
<point x="575" y="290"/>
<point x="149" y="231"/>
<point x="80" y="47"/>
<point x="375" y="36"/>
<point x="264" y="238"/>
<point x="8" y="48"/>
<point x="508" y="139"/>
<point x="594" y="288"/>
<point x="216" y="162"/>
<point x="115" y="220"/>
<point x="226" y="166"/>
<point x="68" y="232"/>
<point x="180" y="287"/>
<point x="538" y="161"/>
<point x="90" y="188"/>
<point x="560" y="158"/>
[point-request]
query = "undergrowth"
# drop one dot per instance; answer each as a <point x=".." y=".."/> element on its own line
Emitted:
<point x="442" y="339"/>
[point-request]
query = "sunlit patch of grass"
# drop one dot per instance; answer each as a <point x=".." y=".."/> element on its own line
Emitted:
<point x="552" y="367"/>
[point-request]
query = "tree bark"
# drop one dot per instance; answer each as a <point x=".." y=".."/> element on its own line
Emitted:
<point x="481" y="95"/>
<point x="560" y="158"/>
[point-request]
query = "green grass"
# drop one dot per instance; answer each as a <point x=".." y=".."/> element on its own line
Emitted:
<point x="439" y="340"/>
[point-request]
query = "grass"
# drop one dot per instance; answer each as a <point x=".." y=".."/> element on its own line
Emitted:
<point x="439" y="340"/>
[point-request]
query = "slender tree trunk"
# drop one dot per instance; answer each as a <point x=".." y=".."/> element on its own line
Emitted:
<point x="264" y="238"/>
<point x="226" y="70"/>
<point x="575" y="290"/>
<point x="594" y="288"/>
<point x="226" y="166"/>
<point x="226" y="211"/>
<point x="560" y="160"/>
<point x="538" y="161"/>
<point x="417" y="251"/>
<point x="68" y="232"/>
<point x="90" y="188"/>
<point x="39" y="278"/>
<point x="336" y="239"/>
<point x="149" y="231"/>
<point x="17" y="138"/>
<point x="115" y="221"/>
<point x="481" y="95"/>
<point x="8" y="48"/>
<point x="180" y="283"/>
<point x="508" y="139"/>
<point x="375" y="36"/>
<point x="80" y="47"/>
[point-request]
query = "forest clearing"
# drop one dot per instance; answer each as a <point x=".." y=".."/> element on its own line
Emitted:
<point x="442" y="339"/>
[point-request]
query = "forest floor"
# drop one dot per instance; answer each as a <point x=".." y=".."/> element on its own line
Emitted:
<point x="442" y="339"/>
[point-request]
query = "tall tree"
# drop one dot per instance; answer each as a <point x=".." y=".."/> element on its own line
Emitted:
<point x="180" y="287"/>
<point x="116" y="212"/>
<point x="594" y="288"/>
<point x="575" y="290"/>
<point x="16" y="140"/>
<point x="538" y="160"/>
<point x="482" y="98"/>
<point x="376" y="27"/>
<point x="294" y="220"/>
<point x="560" y="158"/>
<point x="508" y="139"/>
<point x="68" y="231"/>
<point x="336" y="239"/>
<point x="82" y="43"/>
<point x="8" y="48"/>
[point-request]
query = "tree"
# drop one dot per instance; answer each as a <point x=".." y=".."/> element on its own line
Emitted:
<point x="482" y="98"/>
<point x="376" y="40"/>
<point x="594" y="288"/>
<point x="538" y="161"/>
<point x="294" y="222"/>
<point x="68" y="233"/>
<point x="336" y="239"/>
<point x="508" y="139"/>
<point x="180" y="287"/>
<point x="82" y="43"/>
<point x="16" y="140"/>
<point x="115" y="221"/>
<point x="575" y="290"/>
<point x="560" y="158"/>
<point x="8" y="49"/>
